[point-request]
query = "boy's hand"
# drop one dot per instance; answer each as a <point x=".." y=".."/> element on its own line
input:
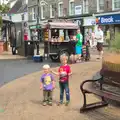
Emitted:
<point x="41" y="87"/>
<point x="53" y="86"/>
<point x="70" y="74"/>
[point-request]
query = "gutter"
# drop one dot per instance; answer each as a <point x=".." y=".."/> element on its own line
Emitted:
<point x="107" y="13"/>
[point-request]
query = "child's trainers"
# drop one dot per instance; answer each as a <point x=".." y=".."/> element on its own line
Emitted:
<point x="60" y="103"/>
<point x="50" y="103"/>
<point x="67" y="103"/>
<point x="44" y="103"/>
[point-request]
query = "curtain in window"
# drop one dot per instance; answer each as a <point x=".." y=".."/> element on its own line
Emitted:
<point x="116" y="4"/>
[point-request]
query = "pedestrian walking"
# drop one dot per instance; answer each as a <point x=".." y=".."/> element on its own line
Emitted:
<point x="72" y="44"/>
<point x="47" y="83"/>
<point x="100" y="39"/>
<point x="64" y="72"/>
<point x="78" y="47"/>
<point x="86" y="51"/>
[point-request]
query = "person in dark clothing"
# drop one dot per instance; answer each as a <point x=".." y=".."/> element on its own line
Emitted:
<point x="72" y="44"/>
<point x="86" y="51"/>
<point x="13" y="43"/>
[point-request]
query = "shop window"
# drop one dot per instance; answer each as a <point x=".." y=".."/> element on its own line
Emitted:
<point x="71" y="7"/>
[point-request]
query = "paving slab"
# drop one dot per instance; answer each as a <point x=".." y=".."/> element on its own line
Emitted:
<point x="21" y="99"/>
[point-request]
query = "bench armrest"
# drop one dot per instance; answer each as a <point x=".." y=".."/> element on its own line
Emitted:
<point x="88" y="81"/>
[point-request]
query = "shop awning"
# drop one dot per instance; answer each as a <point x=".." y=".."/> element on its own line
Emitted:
<point x="63" y="25"/>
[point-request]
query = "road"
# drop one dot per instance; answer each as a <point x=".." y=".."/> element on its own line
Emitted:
<point x="12" y="69"/>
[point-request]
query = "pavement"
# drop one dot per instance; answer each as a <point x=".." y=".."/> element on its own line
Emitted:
<point x="8" y="56"/>
<point x="21" y="98"/>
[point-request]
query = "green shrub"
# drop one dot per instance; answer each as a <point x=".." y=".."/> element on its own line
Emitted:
<point x="115" y="44"/>
<point x="1" y="21"/>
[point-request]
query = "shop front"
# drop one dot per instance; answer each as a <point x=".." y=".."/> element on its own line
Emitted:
<point x="5" y="34"/>
<point x="89" y="24"/>
<point x="110" y="23"/>
<point x="36" y="32"/>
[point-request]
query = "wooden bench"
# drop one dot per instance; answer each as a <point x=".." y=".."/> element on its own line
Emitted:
<point x="105" y="86"/>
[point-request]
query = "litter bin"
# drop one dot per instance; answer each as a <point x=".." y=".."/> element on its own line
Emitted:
<point x="29" y="48"/>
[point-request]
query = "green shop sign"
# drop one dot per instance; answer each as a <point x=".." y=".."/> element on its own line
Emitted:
<point x="35" y="27"/>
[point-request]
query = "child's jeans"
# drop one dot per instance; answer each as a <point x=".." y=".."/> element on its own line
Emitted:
<point x="47" y="95"/>
<point x="64" y="86"/>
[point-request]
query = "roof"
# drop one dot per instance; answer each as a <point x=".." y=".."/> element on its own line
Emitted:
<point x="63" y="25"/>
<point x="22" y="9"/>
<point x="16" y="7"/>
<point x="11" y="1"/>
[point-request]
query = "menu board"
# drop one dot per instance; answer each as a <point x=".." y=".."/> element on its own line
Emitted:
<point x="46" y="35"/>
<point x="61" y="35"/>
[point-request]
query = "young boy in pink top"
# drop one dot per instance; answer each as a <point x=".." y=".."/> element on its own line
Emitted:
<point x="64" y="72"/>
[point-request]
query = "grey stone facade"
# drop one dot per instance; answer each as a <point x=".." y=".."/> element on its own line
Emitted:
<point x="92" y="4"/>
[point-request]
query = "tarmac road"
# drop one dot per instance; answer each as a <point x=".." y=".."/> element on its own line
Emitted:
<point x="13" y="69"/>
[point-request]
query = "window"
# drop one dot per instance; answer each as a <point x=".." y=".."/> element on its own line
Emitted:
<point x="24" y="2"/>
<point x="52" y="11"/>
<point x="100" y="5"/>
<point x="60" y="9"/>
<point x="33" y="14"/>
<point x="71" y="7"/>
<point x="85" y="6"/>
<point x="43" y="12"/>
<point x="30" y="13"/>
<point x="115" y="4"/>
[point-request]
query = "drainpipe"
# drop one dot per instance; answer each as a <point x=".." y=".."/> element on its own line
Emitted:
<point x="38" y="15"/>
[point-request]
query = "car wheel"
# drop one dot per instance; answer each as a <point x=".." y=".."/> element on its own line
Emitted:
<point x="54" y="58"/>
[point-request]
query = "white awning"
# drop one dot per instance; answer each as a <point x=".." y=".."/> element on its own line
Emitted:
<point x="63" y="25"/>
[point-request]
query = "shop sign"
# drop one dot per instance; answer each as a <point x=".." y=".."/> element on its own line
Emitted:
<point x="78" y="10"/>
<point x="89" y="21"/>
<point x="78" y="22"/>
<point x="35" y="27"/>
<point x="108" y="19"/>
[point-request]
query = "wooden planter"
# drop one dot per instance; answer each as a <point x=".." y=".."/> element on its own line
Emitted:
<point x="1" y="46"/>
<point x="111" y="65"/>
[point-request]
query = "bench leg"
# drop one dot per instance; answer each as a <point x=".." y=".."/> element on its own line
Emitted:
<point x="87" y="107"/>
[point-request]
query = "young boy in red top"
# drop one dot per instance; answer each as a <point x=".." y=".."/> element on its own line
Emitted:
<point x="64" y="72"/>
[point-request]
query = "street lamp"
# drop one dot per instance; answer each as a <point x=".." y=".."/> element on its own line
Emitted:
<point x="38" y="16"/>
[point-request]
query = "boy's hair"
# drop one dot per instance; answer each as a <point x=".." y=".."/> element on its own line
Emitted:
<point x="63" y="57"/>
<point x="46" y="66"/>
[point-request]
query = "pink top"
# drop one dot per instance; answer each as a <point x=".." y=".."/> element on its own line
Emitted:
<point x="64" y="70"/>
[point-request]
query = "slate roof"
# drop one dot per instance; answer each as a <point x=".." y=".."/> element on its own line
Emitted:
<point x="18" y="8"/>
<point x="22" y="9"/>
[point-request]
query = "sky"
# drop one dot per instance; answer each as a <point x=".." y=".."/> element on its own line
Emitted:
<point x="3" y="1"/>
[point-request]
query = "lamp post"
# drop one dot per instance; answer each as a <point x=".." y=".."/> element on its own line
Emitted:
<point x="38" y="15"/>
<point x="39" y="3"/>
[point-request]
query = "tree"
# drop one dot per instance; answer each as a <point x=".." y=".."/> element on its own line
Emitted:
<point x="3" y="9"/>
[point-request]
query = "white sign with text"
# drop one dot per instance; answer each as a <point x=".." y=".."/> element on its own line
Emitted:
<point x="78" y="10"/>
